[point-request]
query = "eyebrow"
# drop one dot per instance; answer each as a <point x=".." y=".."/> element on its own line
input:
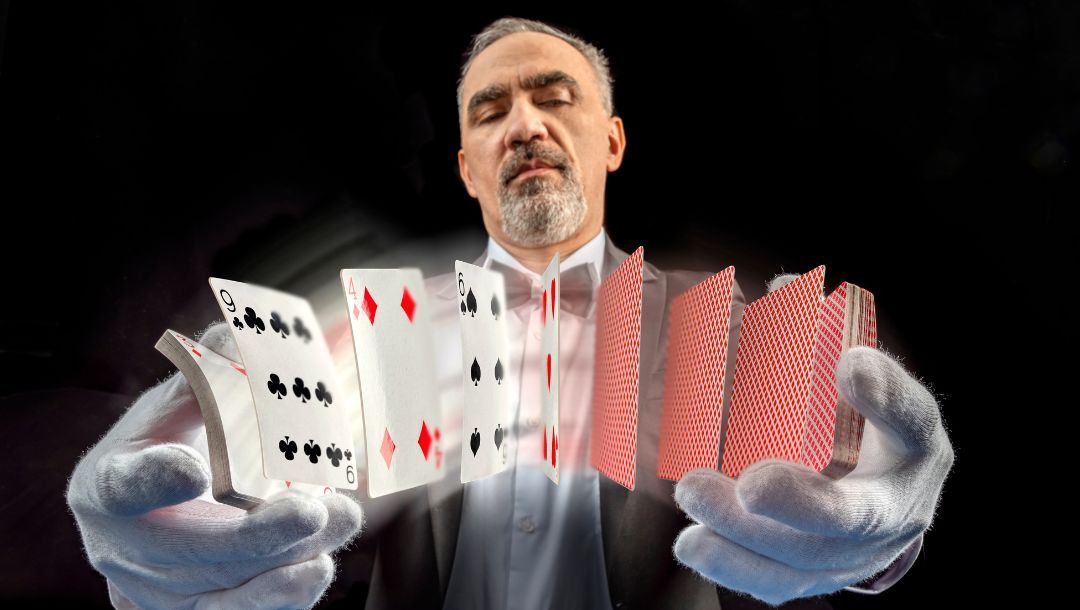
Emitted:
<point x="539" y="80"/>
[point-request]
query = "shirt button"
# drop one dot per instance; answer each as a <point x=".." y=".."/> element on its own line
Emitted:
<point x="533" y="423"/>
<point x="526" y="525"/>
<point x="536" y="334"/>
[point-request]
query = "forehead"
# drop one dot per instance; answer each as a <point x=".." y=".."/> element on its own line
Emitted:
<point x="523" y="53"/>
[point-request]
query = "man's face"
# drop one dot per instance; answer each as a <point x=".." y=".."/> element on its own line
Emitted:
<point x="536" y="141"/>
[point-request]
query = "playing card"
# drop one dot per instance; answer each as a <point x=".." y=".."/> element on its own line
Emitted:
<point x="773" y="364"/>
<point x="395" y="361"/>
<point x="613" y="441"/>
<point x="834" y="430"/>
<point x="697" y="350"/>
<point x="550" y="296"/>
<point x="485" y="366"/>
<point x="305" y="436"/>
<point x="232" y="429"/>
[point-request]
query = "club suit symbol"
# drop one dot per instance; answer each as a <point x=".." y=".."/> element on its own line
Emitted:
<point x="323" y="395"/>
<point x="279" y="325"/>
<point x="313" y="451"/>
<point x="301" y="330"/>
<point x="334" y="454"/>
<point x="253" y="320"/>
<point x="275" y="386"/>
<point x="288" y="448"/>
<point x="302" y="391"/>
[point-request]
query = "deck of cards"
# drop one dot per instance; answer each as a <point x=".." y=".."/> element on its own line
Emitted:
<point x="784" y="402"/>
<point x="277" y="419"/>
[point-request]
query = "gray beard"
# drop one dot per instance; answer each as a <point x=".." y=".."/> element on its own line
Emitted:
<point x="542" y="210"/>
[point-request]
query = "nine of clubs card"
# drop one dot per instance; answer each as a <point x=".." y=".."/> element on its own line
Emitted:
<point x="305" y="434"/>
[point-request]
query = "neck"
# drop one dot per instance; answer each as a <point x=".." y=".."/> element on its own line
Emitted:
<point x="537" y="259"/>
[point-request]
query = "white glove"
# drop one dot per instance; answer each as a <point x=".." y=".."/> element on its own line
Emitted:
<point x="783" y="530"/>
<point x="136" y="499"/>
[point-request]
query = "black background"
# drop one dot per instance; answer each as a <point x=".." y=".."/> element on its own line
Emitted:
<point x="920" y="149"/>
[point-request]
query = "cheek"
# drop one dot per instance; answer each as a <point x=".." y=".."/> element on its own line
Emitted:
<point x="592" y="141"/>
<point x="593" y="151"/>
<point x="485" y="169"/>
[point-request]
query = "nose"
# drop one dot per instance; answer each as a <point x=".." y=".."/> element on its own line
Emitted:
<point x="525" y="122"/>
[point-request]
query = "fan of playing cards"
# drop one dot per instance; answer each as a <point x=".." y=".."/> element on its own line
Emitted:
<point x="279" y="418"/>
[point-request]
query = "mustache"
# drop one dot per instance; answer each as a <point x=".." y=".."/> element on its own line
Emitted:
<point x="524" y="155"/>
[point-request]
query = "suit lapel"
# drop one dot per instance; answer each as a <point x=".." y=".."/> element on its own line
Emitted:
<point x="616" y="500"/>
<point x="445" y="496"/>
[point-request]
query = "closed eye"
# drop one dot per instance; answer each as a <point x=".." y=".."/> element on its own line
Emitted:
<point x="552" y="102"/>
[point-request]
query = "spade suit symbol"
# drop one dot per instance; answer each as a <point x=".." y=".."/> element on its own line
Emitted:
<point x="470" y="301"/>
<point x="496" y="308"/>
<point x="475" y="372"/>
<point x="498" y="436"/>
<point x="474" y="441"/>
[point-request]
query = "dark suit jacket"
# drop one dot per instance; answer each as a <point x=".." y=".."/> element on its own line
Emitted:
<point x="415" y="552"/>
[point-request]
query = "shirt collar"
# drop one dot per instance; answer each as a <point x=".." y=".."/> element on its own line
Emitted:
<point x="591" y="251"/>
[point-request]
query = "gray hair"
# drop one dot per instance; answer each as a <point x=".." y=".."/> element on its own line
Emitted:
<point x="512" y="25"/>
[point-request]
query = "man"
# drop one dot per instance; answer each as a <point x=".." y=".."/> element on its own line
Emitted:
<point x="539" y="135"/>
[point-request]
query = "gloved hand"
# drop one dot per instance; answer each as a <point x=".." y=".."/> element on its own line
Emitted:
<point x="783" y="530"/>
<point x="136" y="499"/>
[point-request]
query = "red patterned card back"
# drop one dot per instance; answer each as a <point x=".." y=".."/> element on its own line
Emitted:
<point x="773" y="366"/>
<point x="694" y="379"/>
<point x="860" y="328"/>
<point x="613" y="439"/>
<point x="821" y="424"/>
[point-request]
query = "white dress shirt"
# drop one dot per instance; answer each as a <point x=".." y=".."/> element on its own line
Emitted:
<point x="525" y="542"/>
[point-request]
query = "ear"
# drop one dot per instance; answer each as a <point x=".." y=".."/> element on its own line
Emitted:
<point x="463" y="170"/>
<point x="616" y="143"/>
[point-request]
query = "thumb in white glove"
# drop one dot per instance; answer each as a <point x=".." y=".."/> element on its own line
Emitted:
<point x="135" y="495"/>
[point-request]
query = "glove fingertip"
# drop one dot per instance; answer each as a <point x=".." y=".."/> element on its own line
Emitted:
<point x="780" y="280"/>
<point x="347" y="518"/>
<point x="316" y="575"/>
<point x="759" y="484"/>
<point x="285" y="519"/>
<point x="218" y="337"/>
